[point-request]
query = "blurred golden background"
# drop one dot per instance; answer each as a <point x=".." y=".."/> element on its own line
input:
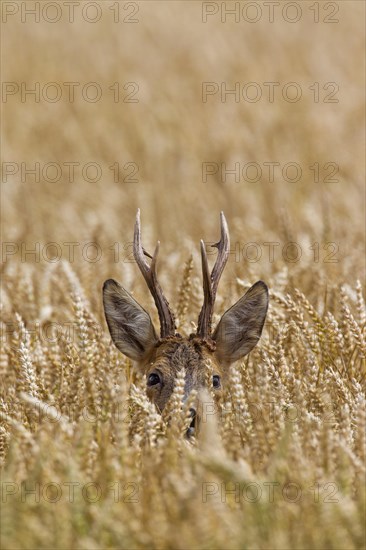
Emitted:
<point x="167" y="52"/>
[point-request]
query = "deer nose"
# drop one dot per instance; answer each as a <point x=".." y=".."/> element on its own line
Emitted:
<point x="193" y="416"/>
<point x="192" y="427"/>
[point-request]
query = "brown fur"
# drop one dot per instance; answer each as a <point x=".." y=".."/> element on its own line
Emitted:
<point x="172" y="354"/>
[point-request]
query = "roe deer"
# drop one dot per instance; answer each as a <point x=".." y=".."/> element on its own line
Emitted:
<point x="160" y="359"/>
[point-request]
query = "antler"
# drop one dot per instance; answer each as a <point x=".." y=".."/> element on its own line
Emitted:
<point x="167" y="323"/>
<point x="211" y="282"/>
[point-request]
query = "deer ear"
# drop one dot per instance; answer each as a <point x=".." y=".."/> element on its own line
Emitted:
<point x="129" y="324"/>
<point x="241" y="326"/>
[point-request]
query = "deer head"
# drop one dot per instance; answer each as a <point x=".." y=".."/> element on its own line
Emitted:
<point x="161" y="358"/>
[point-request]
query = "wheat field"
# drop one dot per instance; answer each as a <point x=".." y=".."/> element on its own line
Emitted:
<point x="128" y="106"/>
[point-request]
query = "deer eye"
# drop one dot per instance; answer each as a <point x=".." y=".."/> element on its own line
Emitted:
<point x="216" y="381"/>
<point x="153" y="379"/>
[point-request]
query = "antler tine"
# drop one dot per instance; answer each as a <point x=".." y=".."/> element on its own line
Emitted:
<point x="223" y="247"/>
<point x="211" y="282"/>
<point x="207" y="287"/>
<point x="166" y="317"/>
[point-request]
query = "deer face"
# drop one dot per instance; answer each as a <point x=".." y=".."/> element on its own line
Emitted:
<point x="169" y="358"/>
<point x="160" y="359"/>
